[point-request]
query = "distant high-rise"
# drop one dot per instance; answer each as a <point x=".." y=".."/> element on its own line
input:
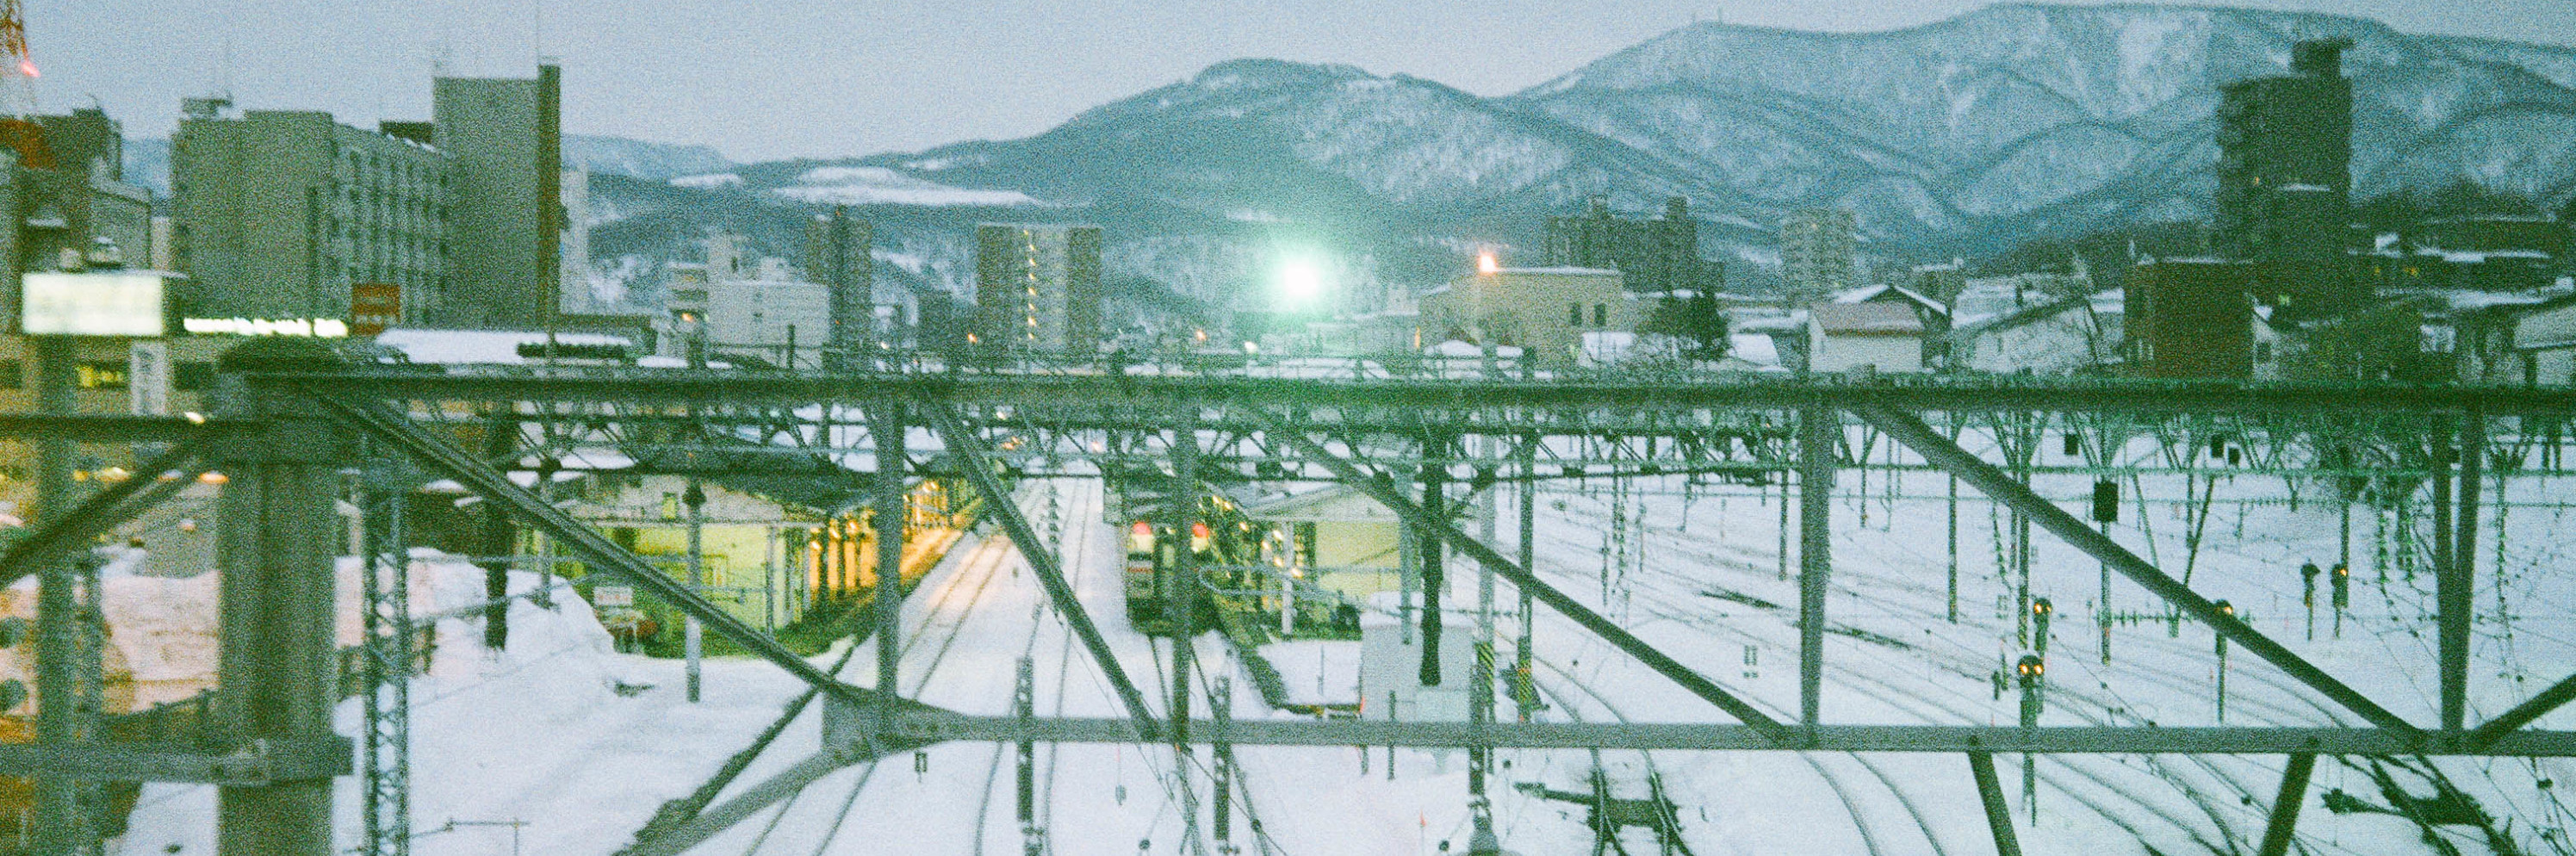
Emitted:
<point x="838" y="251"/>
<point x="1037" y="287"/>
<point x="276" y="213"/>
<point x="1816" y="254"/>
<point x="2285" y="179"/>
<point x="1654" y="255"/>
<point x="505" y="137"/>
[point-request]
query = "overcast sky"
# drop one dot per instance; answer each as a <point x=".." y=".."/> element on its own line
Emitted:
<point x="764" y="79"/>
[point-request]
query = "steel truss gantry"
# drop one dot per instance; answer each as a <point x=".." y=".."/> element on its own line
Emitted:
<point x="1362" y="433"/>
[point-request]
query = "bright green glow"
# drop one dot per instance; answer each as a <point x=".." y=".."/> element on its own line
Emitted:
<point x="1301" y="282"/>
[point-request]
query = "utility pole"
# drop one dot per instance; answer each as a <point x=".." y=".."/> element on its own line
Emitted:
<point x="1480" y="700"/>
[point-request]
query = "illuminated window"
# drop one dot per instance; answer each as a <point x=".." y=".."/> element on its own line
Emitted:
<point x="101" y="375"/>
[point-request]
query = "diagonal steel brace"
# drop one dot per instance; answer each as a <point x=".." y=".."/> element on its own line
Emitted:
<point x="103" y="510"/>
<point x="377" y="420"/>
<point x="2013" y="494"/>
<point x="1610" y="631"/>
<point x="978" y="464"/>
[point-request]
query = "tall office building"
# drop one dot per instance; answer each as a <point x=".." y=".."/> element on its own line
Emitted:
<point x="2285" y="178"/>
<point x="276" y="213"/>
<point x="1816" y="254"/>
<point x="504" y="135"/>
<point x="1037" y="287"/>
<point x="837" y="254"/>
<point x="1653" y="255"/>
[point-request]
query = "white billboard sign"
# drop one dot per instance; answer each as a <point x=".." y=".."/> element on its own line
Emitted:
<point x="92" y="304"/>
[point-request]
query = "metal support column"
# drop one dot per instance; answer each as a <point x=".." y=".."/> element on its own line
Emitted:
<point x="67" y="664"/>
<point x="1180" y="597"/>
<point x="2285" y="808"/>
<point x="886" y="428"/>
<point x="276" y="555"/>
<point x="1523" y="690"/>
<point x="693" y="633"/>
<point x="500" y="446"/>
<point x="2458" y="593"/>
<point x="2451" y="594"/>
<point x="1435" y="558"/>
<point x="1990" y="790"/>
<point x="1819" y="430"/>
<point x="386" y="699"/>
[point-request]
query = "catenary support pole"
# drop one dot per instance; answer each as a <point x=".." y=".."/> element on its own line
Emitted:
<point x="1819" y="431"/>
<point x="2451" y="598"/>
<point x="1523" y="690"/>
<point x="1990" y="791"/>
<point x="693" y="636"/>
<point x="1435" y="558"/>
<point x="2459" y="593"/>
<point x="887" y="428"/>
<point x="500" y="445"/>
<point x="1180" y="606"/>
<point x="2285" y="807"/>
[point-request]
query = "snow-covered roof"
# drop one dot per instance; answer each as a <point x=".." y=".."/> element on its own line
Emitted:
<point x="1867" y="319"/>
<point x="1753" y="348"/>
<point x="1455" y="349"/>
<point x="1563" y="270"/>
<point x="1880" y="292"/>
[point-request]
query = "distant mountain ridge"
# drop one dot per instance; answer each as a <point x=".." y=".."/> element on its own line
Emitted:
<point x="1965" y="135"/>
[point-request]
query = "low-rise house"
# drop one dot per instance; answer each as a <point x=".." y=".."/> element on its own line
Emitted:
<point x="1846" y="336"/>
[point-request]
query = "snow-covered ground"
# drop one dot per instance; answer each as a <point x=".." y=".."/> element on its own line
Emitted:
<point x="540" y="734"/>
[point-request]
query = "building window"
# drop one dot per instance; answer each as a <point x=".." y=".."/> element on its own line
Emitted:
<point x="101" y="374"/>
<point x="1574" y="315"/>
<point x="1601" y="315"/>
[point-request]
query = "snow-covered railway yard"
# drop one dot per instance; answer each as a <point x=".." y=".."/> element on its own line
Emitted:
<point x="571" y="746"/>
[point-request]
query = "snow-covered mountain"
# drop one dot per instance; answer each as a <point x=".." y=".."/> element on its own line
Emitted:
<point x="1970" y="134"/>
<point x="655" y="161"/>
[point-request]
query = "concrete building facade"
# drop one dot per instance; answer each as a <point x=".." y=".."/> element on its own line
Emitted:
<point x="1037" y="287"/>
<point x="2190" y="318"/>
<point x="1544" y="311"/>
<point x="504" y="136"/>
<point x="1660" y="254"/>
<point x="275" y="214"/>
<point x="1816" y="247"/>
<point x="839" y="253"/>
<point x="2285" y="179"/>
